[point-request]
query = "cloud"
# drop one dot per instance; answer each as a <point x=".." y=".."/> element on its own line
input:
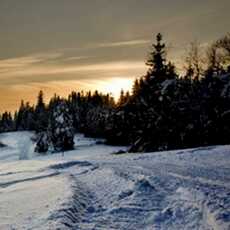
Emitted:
<point x="64" y="62"/>
<point x="26" y="61"/>
<point x="63" y="70"/>
<point x="74" y="58"/>
<point x="27" y="71"/>
<point x="112" y="44"/>
<point x="122" y="43"/>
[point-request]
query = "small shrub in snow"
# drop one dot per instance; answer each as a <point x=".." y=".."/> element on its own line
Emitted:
<point x="42" y="144"/>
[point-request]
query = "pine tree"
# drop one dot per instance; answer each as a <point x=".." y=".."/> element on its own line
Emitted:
<point x="157" y="58"/>
<point x="122" y="98"/>
<point x="136" y="87"/>
<point x="24" y="117"/>
<point x="6" y="122"/>
<point x="19" y="118"/>
<point x="41" y="115"/>
<point x="61" y="129"/>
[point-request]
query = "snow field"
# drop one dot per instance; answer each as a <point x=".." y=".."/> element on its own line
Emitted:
<point x="90" y="188"/>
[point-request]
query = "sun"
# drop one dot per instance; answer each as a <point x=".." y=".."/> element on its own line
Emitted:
<point x="115" y="85"/>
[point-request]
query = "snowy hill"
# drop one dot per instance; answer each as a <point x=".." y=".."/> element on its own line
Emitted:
<point x="90" y="188"/>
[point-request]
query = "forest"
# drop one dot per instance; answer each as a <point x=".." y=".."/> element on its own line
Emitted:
<point x="166" y="108"/>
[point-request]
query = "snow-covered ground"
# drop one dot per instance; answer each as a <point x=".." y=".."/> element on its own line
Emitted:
<point x="90" y="188"/>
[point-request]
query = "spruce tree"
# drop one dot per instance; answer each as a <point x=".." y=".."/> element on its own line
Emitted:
<point x="41" y="115"/>
<point x="61" y="131"/>
<point x="157" y="59"/>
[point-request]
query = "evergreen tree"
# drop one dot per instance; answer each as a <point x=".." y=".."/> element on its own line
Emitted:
<point x="41" y="115"/>
<point x="157" y="58"/>
<point x="61" y="130"/>
<point x="6" y="122"/>
<point x="24" y="117"/>
<point x="124" y="98"/>
<point x="19" y="117"/>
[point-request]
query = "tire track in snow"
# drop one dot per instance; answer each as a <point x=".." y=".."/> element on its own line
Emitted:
<point x="116" y="207"/>
<point x="151" y="202"/>
<point x="7" y="184"/>
<point x="129" y="195"/>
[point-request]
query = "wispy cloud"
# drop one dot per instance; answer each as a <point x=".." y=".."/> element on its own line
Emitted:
<point x="57" y="62"/>
<point x="63" y="71"/>
<point x="25" y="67"/>
<point x="18" y="62"/>
<point x="76" y="58"/>
<point x="123" y="43"/>
<point x="109" y="44"/>
<point x="26" y="61"/>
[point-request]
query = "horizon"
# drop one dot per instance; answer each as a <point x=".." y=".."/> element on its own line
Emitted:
<point x="77" y="45"/>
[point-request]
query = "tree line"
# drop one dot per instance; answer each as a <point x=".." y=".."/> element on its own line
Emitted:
<point x="165" y="110"/>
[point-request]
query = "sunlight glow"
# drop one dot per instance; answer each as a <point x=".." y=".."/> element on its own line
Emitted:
<point x="115" y="85"/>
<point x="28" y="92"/>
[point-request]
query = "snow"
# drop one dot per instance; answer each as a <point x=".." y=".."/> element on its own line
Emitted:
<point x="91" y="188"/>
<point x="165" y="84"/>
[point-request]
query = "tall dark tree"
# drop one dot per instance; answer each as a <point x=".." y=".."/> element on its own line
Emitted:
<point x="157" y="58"/>
<point x="41" y="114"/>
<point x="24" y="117"/>
<point x="6" y="122"/>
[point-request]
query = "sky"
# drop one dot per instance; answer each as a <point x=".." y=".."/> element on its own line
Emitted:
<point x="64" y="45"/>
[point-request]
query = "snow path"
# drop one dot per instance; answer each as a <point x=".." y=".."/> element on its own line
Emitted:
<point x="90" y="188"/>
